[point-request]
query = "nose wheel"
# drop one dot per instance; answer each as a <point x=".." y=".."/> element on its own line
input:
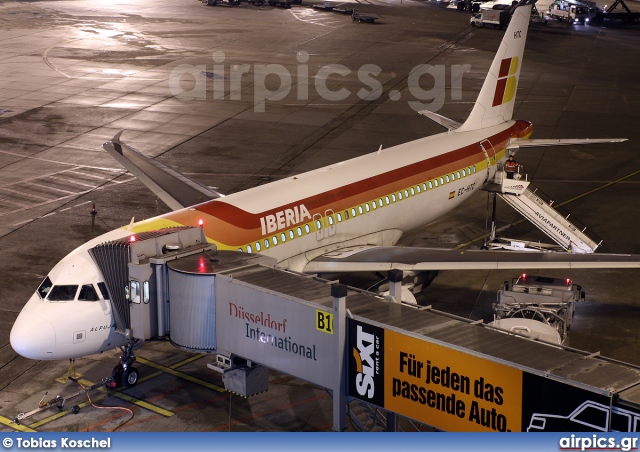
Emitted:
<point x="124" y="374"/>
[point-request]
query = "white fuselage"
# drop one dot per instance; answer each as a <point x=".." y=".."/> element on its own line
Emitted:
<point x="370" y="200"/>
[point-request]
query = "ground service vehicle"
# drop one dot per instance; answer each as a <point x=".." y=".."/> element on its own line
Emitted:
<point x="490" y="18"/>
<point x="573" y="13"/>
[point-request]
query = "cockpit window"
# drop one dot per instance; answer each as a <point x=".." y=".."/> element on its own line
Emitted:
<point x="103" y="290"/>
<point x="88" y="293"/>
<point x="44" y="288"/>
<point x="62" y="293"/>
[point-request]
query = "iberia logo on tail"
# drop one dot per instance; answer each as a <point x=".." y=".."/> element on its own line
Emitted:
<point x="507" y="82"/>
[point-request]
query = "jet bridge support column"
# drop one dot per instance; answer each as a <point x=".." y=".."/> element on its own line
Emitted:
<point x="395" y="284"/>
<point x="339" y="294"/>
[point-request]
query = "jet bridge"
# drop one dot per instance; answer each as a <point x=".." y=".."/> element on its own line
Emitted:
<point x="447" y="372"/>
<point x="517" y="193"/>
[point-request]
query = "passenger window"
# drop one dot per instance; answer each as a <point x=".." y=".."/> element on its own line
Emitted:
<point x="474" y="168"/>
<point x="88" y="293"/>
<point x="257" y="246"/>
<point x="360" y="210"/>
<point x="380" y="202"/>
<point x="145" y="292"/>
<point x="399" y="195"/>
<point x="366" y="206"/>
<point x="331" y="219"/>
<point x="283" y="237"/>
<point x="102" y="287"/>
<point x="339" y="217"/>
<point x="406" y="193"/>
<point x="441" y="181"/>
<point x="393" y="198"/>
<point x="307" y="229"/>
<point x="134" y="290"/>
<point x="417" y="188"/>
<point x="44" y="288"/>
<point x="458" y="174"/>
<point x="430" y="185"/>
<point x="299" y="232"/>
<point x="62" y="293"/>
<point x="249" y="249"/>
<point x="275" y="240"/>
<point x="424" y="186"/>
<point x="318" y="225"/>
<point x="374" y="205"/>
<point x="353" y="212"/>
<point x="435" y="181"/>
<point x="463" y="172"/>
<point x="266" y="243"/>
<point x="346" y="214"/>
<point x="291" y="234"/>
<point x="240" y="249"/>
<point x="447" y="176"/>
<point x="386" y="199"/>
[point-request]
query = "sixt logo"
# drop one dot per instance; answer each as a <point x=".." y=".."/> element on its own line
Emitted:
<point x="514" y="187"/>
<point x="366" y="368"/>
<point x="507" y="81"/>
<point x="284" y="219"/>
<point x="363" y="354"/>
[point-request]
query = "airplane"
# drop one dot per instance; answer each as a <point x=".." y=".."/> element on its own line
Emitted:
<point x="345" y="217"/>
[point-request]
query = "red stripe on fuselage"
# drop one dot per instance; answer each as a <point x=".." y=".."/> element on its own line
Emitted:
<point x="233" y="226"/>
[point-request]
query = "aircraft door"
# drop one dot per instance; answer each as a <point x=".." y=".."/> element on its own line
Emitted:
<point x="490" y="155"/>
<point x="330" y="223"/>
<point x="317" y="221"/>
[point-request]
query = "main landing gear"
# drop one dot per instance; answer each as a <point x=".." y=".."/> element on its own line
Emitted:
<point x="124" y="374"/>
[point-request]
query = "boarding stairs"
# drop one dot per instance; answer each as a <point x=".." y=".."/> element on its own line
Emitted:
<point x="518" y="194"/>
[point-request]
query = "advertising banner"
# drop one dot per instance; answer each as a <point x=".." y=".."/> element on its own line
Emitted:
<point x="436" y="385"/>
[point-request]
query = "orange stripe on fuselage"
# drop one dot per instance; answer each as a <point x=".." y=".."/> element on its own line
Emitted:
<point x="229" y="225"/>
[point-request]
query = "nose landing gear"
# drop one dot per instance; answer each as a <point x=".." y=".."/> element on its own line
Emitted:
<point x="124" y="374"/>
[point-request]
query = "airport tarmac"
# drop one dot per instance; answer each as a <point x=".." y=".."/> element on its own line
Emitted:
<point x="74" y="73"/>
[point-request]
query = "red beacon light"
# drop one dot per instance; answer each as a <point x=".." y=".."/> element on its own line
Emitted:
<point x="200" y="222"/>
<point x="524" y="276"/>
<point x="568" y="282"/>
<point x="132" y="238"/>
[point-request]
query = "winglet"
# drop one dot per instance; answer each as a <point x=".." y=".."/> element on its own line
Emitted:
<point x="116" y="142"/>
<point x="497" y="97"/>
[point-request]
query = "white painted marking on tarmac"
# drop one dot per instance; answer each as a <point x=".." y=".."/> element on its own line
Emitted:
<point x="315" y="17"/>
<point x="77" y="205"/>
<point x="67" y="180"/>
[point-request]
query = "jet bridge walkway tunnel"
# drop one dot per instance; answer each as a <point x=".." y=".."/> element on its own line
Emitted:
<point x="444" y="371"/>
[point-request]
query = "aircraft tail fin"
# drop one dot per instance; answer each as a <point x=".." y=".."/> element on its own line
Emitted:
<point x="497" y="97"/>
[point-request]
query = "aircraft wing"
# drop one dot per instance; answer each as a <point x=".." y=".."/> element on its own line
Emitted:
<point x="174" y="189"/>
<point x="519" y="143"/>
<point x="384" y="258"/>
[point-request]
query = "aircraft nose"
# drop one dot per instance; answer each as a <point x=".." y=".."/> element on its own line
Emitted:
<point x="32" y="336"/>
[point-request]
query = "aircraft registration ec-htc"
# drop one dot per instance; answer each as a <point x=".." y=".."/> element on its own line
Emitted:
<point x="345" y="217"/>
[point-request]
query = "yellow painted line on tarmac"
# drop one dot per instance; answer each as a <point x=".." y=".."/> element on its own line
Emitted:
<point x="582" y="195"/>
<point x="9" y="423"/>
<point x="103" y="395"/>
<point x="173" y="366"/>
<point x="182" y="375"/>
